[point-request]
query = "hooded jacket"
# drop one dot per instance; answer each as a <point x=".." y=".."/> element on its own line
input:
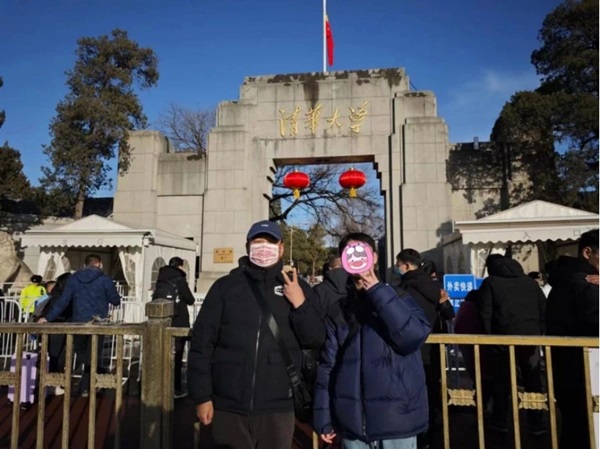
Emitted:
<point x="234" y="360"/>
<point x="166" y="275"/>
<point x="426" y="292"/>
<point x="511" y="303"/>
<point x="332" y="289"/>
<point x="55" y="295"/>
<point x="90" y="292"/>
<point x="572" y="308"/>
<point x="370" y="379"/>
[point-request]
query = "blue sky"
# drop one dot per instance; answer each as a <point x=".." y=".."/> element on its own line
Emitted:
<point x="473" y="54"/>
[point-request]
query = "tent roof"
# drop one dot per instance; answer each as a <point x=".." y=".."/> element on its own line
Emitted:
<point x="95" y="230"/>
<point x="529" y="222"/>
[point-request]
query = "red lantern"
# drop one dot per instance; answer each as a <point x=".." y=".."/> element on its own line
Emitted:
<point x="296" y="181"/>
<point x="352" y="179"/>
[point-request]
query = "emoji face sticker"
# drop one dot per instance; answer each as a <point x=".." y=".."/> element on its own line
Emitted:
<point x="357" y="257"/>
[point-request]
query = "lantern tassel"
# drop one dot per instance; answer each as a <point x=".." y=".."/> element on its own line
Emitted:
<point x="352" y="192"/>
<point x="296" y="193"/>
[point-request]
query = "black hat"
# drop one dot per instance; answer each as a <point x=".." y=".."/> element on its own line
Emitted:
<point x="36" y="279"/>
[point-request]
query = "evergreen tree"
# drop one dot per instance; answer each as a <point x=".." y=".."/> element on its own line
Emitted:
<point x="93" y="121"/>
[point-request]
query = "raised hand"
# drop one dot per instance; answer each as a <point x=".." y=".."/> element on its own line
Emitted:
<point x="292" y="290"/>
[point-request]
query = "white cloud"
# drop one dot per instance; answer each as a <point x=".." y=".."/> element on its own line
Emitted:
<point x="496" y="82"/>
<point x="475" y="104"/>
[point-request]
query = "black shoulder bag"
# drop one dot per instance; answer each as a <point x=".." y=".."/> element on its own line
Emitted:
<point x="301" y="393"/>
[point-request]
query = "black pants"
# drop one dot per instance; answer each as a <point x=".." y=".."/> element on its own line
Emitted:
<point x="82" y="345"/>
<point x="271" y="431"/>
<point x="179" y="349"/>
<point x="527" y="359"/>
<point x="569" y="390"/>
<point x="56" y="351"/>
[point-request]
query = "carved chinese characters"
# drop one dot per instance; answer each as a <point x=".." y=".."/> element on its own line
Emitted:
<point x="288" y="121"/>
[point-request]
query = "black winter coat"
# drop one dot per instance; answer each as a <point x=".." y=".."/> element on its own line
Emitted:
<point x="332" y="289"/>
<point x="511" y="303"/>
<point x="426" y="292"/>
<point x="572" y="308"/>
<point x="234" y="360"/>
<point x="166" y="275"/>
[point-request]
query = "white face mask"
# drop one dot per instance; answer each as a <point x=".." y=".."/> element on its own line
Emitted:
<point x="264" y="254"/>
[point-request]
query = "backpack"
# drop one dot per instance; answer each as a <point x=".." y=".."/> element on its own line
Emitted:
<point x="167" y="289"/>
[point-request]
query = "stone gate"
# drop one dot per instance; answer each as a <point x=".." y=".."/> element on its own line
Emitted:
<point x="351" y="116"/>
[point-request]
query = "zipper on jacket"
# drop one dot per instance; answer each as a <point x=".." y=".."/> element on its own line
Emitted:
<point x="255" y="364"/>
<point x="362" y="399"/>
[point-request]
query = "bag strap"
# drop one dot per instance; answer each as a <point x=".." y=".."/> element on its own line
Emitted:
<point x="274" y="328"/>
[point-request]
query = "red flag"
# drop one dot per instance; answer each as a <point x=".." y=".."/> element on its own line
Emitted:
<point x="329" y="38"/>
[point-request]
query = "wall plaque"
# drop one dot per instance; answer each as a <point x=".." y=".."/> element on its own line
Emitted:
<point x="223" y="255"/>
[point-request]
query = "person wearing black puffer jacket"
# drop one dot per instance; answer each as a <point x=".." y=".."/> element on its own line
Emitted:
<point x="171" y="283"/>
<point x="333" y="287"/>
<point x="427" y="292"/>
<point x="511" y="303"/>
<point x="572" y="311"/>
<point x="236" y="372"/>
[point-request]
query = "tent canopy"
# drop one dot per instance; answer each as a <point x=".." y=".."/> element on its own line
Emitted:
<point x="529" y="222"/>
<point x="96" y="231"/>
<point x="141" y="251"/>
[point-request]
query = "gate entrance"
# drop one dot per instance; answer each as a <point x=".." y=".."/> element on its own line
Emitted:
<point x="358" y="116"/>
<point x="339" y="117"/>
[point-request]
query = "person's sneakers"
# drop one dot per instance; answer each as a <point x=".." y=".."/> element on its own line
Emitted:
<point x="180" y="394"/>
<point x="59" y="391"/>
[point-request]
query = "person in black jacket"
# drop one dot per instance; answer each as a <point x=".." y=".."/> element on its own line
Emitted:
<point x="236" y="372"/>
<point x="572" y="310"/>
<point x="57" y="342"/>
<point x="333" y="287"/>
<point x="427" y="292"/>
<point x="171" y="283"/>
<point x="511" y="303"/>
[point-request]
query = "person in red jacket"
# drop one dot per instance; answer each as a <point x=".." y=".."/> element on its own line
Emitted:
<point x="467" y="321"/>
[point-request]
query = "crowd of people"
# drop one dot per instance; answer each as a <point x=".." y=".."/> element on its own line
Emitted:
<point x="357" y="341"/>
<point x="377" y="381"/>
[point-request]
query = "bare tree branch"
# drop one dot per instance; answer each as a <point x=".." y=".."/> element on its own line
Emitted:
<point x="187" y="128"/>
<point x="325" y="203"/>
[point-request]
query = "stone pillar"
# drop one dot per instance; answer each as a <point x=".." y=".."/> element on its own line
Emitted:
<point x="155" y="390"/>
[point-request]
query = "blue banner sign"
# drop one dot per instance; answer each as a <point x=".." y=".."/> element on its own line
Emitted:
<point x="459" y="285"/>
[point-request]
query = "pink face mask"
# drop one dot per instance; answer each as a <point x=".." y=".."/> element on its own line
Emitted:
<point x="357" y="257"/>
<point x="264" y="255"/>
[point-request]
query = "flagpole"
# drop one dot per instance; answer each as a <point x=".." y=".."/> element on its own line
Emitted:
<point x="324" y="38"/>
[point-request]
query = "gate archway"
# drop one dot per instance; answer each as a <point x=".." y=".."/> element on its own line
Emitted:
<point x="364" y="115"/>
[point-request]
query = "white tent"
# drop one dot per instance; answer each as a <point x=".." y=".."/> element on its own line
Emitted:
<point x="138" y="249"/>
<point x="470" y="243"/>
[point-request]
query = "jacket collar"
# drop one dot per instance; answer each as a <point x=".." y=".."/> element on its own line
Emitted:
<point x="262" y="274"/>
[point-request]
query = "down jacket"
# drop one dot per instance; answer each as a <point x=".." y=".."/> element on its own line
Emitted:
<point x="370" y="380"/>
<point x="171" y="275"/>
<point x="234" y="360"/>
<point x="426" y="292"/>
<point x="90" y="292"/>
<point x="573" y="302"/>
<point x="511" y="303"/>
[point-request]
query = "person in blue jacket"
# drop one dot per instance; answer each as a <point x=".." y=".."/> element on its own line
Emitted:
<point x="89" y="292"/>
<point x="370" y="390"/>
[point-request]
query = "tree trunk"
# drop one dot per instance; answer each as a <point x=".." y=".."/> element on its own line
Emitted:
<point x="79" y="204"/>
